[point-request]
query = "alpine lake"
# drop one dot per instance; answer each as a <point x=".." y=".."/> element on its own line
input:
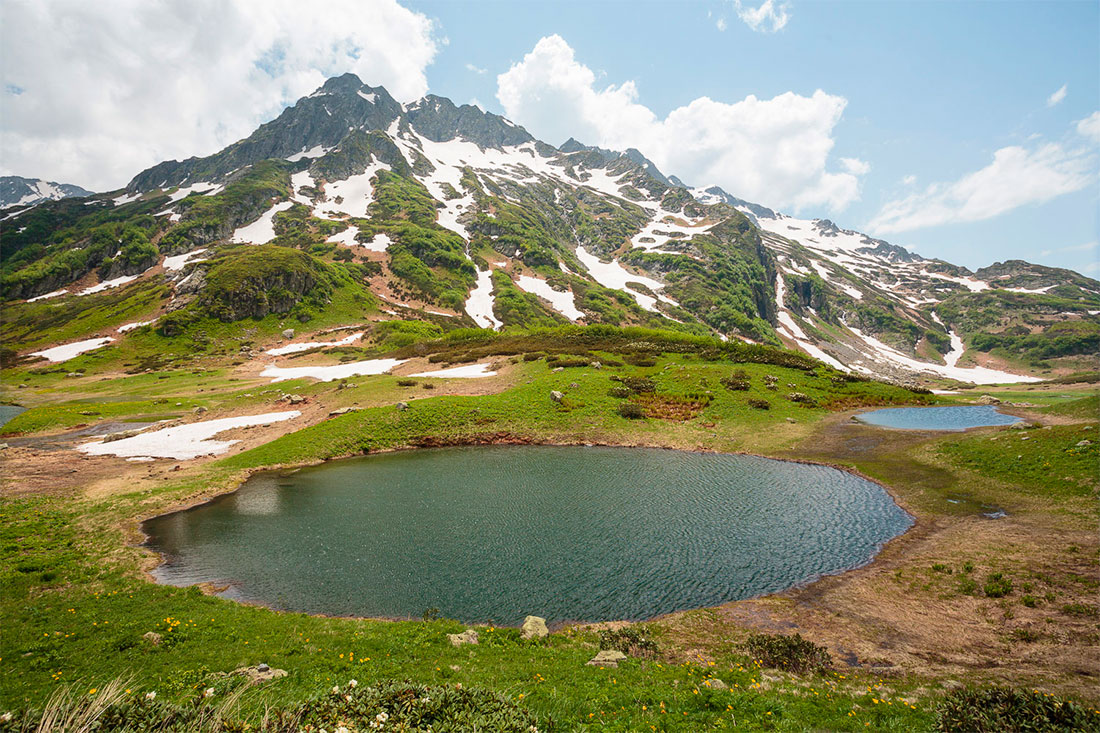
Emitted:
<point x="492" y="534"/>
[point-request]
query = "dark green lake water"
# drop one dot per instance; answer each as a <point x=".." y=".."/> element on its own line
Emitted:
<point x="497" y="533"/>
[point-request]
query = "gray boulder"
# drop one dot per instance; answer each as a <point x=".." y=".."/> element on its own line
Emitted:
<point x="469" y="636"/>
<point x="534" y="627"/>
<point x="607" y="658"/>
<point x="288" y="333"/>
<point x="556" y="396"/>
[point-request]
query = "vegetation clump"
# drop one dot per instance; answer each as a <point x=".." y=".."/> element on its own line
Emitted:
<point x="736" y="382"/>
<point x="1006" y="709"/>
<point x="758" y="404"/>
<point x="997" y="586"/>
<point x="631" y="410"/>
<point x="634" y="641"/>
<point x="789" y="653"/>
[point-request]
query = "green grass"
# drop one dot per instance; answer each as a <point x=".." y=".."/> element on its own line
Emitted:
<point x="1048" y="463"/>
<point x="73" y="618"/>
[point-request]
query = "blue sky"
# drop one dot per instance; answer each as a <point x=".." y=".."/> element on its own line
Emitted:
<point x="963" y="130"/>
<point x="933" y="89"/>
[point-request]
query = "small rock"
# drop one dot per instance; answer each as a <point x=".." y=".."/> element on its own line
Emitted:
<point x="259" y="673"/>
<point x="790" y="420"/>
<point x="987" y="399"/>
<point x="607" y="658"/>
<point x="556" y="396"/>
<point x="402" y="406"/>
<point x="558" y="369"/>
<point x="533" y="627"/>
<point x="1083" y="443"/>
<point x="469" y="636"/>
<point x="152" y="637"/>
<point x="596" y="365"/>
<point x="199" y="410"/>
<point x="342" y="411"/>
<point x="1026" y="437"/>
<point x="573" y="385"/>
<point x="289" y="333"/>
<point x="3" y="446"/>
<point x="295" y="399"/>
<point x="717" y="684"/>
<point x="455" y="668"/>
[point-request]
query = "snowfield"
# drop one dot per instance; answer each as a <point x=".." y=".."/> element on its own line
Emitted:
<point x="262" y="230"/>
<point x="329" y="373"/>
<point x="563" y="301"/>
<point x="466" y="371"/>
<point x="480" y="303"/>
<point x="183" y="442"/>
<point x="68" y="351"/>
<point x="306" y="346"/>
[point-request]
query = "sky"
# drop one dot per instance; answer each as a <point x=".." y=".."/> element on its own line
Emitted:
<point x="968" y="131"/>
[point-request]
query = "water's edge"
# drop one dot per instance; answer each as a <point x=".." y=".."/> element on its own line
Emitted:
<point x="247" y="474"/>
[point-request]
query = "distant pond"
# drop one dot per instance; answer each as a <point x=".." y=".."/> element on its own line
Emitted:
<point x="947" y="417"/>
<point x="8" y="413"/>
<point x="497" y="533"/>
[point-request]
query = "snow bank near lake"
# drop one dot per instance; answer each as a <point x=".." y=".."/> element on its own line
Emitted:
<point x="183" y="441"/>
<point x="466" y="371"/>
<point x="329" y="373"/>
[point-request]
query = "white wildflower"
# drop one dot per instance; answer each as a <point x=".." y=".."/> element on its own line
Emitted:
<point x="382" y="717"/>
<point x="150" y="695"/>
<point x="208" y="692"/>
<point x="5" y="718"/>
<point x="353" y="683"/>
<point x="335" y="689"/>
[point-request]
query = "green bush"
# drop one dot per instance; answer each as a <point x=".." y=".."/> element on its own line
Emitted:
<point x="631" y="410"/>
<point x="758" y="404"/>
<point x="619" y="392"/>
<point x="790" y="653"/>
<point x="997" y="586"/>
<point x="639" y="384"/>
<point x="634" y="641"/>
<point x="735" y="384"/>
<point x="1004" y="709"/>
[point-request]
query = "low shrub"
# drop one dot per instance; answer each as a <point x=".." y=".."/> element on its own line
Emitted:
<point x="533" y="355"/>
<point x="734" y="384"/>
<point x="634" y="641"/>
<point x="1005" y="709"/>
<point x="631" y="410"/>
<point x="801" y="398"/>
<point x="427" y="385"/>
<point x="639" y="384"/>
<point x="758" y="404"/>
<point x="640" y="360"/>
<point x="406" y="382"/>
<point x="1079" y="609"/>
<point x="997" y="586"/>
<point x="790" y="653"/>
<point x="620" y="392"/>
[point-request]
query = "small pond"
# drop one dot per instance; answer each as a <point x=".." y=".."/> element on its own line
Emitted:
<point x="8" y="412"/>
<point x="948" y="417"/>
<point x="496" y="533"/>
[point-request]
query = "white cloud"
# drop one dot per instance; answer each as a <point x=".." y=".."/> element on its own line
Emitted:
<point x="476" y="69"/>
<point x="720" y="24"/>
<point x="1057" y="97"/>
<point x="772" y="151"/>
<point x="855" y="166"/>
<point x="108" y="89"/>
<point x="768" y="18"/>
<point x="1017" y="176"/>
<point x="909" y="180"/>
<point x="1074" y="248"/>
<point x="1090" y="127"/>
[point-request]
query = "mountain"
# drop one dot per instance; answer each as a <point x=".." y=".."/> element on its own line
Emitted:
<point x="352" y="202"/>
<point x="19" y="191"/>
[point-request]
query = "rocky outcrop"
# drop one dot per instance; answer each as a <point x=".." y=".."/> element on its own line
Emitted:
<point x="534" y="627"/>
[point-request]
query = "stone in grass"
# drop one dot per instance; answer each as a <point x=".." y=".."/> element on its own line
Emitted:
<point x="288" y="333"/>
<point x="259" y="674"/>
<point x="402" y="406"/>
<point x="469" y="636"/>
<point x="1083" y="443"/>
<point x="607" y="658"/>
<point x="534" y="627"/>
<point x="716" y="684"/>
<point x="556" y="396"/>
<point x="152" y="637"/>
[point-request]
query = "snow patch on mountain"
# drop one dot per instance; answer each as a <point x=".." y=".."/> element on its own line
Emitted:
<point x="262" y="230"/>
<point x="562" y="301"/>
